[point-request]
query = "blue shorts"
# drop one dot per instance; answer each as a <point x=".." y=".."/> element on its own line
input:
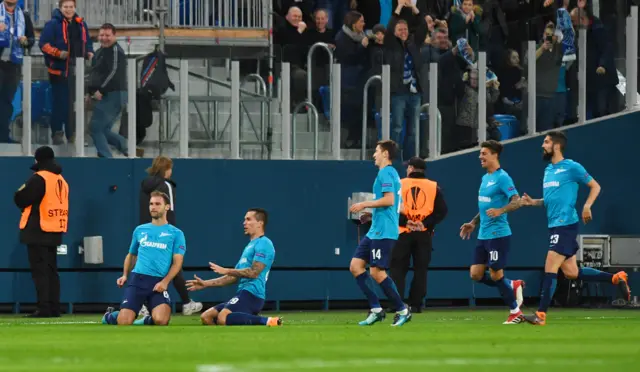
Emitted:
<point x="492" y="252"/>
<point x="564" y="240"/>
<point x="139" y="290"/>
<point x="375" y="252"/>
<point x="243" y="302"/>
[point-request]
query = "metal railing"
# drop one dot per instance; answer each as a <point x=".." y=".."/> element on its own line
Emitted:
<point x="288" y="130"/>
<point x="246" y="14"/>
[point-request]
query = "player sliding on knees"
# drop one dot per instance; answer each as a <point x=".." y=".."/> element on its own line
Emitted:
<point x="253" y="272"/>
<point x="156" y="255"/>
<point x="497" y="196"/>
<point x="559" y="194"/>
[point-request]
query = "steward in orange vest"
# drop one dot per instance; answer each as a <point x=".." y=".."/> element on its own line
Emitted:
<point x="423" y="207"/>
<point x="44" y="201"/>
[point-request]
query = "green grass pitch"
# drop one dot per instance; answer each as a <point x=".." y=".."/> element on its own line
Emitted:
<point x="443" y="340"/>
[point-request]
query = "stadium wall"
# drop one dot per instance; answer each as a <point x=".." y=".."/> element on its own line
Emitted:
<point x="307" y="201"/>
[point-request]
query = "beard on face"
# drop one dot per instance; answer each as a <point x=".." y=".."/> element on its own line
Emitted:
<point x="547" y="155"/>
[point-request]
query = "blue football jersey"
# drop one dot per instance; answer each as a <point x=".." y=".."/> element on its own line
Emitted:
<point x="385" y="221"/>
<point x="260" y="249"/>
<point x="496" y="190"/>
<point x="155" y="247"/>
<point x="560" y="191"/>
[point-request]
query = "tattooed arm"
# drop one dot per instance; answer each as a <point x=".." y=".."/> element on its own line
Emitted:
<point x="221" y="281"/>
<point x="250" y="272"/>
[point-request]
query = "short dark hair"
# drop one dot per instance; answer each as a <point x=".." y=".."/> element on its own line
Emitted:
<point x="351" y="18"/>
<point x="108" y="26"/>
<point x="494" y="146"/>
<point x="261" y="215"/>
<point x="390" y="147"/>
<point x="558" y="137"/>
<point x="162" y="195"/>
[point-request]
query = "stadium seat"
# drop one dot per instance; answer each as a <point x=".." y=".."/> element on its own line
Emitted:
<point x="41" y="101"/>
<point x="508" y="126"/>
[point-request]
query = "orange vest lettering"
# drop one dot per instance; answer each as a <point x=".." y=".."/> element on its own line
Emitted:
<point x="54" y="207"/>
<point x="418" y="198"/>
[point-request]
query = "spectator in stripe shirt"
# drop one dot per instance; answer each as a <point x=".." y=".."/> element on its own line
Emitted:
<point x="108" y="87"/>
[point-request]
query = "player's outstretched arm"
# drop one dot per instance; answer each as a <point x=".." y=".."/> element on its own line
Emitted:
<point x="250" y="272"/>
<point x="528" y="201"/>
<point x="197" y="283"/>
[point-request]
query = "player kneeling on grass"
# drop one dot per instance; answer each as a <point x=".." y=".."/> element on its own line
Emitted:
<point x="156" y="255"/>
<point x="253" y="272"/>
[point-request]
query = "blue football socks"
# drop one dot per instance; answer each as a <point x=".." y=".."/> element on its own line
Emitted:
<point x="486" y="280"/>
<point x="147" y="320"/>
<point x="548" y="288"/>
<point x="112" y="317"/>
<point x="589" y="274"/>
<point x="507" y="292"/>
<point x="390" y="290"/>
<point x="236" y="319"/>
<point x="363" y="283"/>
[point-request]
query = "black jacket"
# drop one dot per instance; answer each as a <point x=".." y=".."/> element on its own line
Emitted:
<point x="109" y="73"/>
<point x="394" y="51"/>
<point x="31" y="195"/>
<point x="440" y="208"/>
<point x="157" y="183"/>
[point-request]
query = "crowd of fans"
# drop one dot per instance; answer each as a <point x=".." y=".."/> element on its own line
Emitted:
<point x="409" y="35"/>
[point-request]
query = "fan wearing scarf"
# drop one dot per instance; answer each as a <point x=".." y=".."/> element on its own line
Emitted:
<point x="63" y="40"/>
<point x="16" y="33"/>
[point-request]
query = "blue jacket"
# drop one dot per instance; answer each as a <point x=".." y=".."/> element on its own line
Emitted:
<point x="54" y="39"/>
<point x="18" y="49"/>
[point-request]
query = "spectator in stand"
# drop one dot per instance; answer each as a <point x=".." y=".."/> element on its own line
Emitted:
<point x="336" y="10"/>
<point x="548" y="62"/>
<point x="376" y="59"/>
<point x="403" y="56"/>
<point x="292" y="38"/>
<point x="450" y="92"/>
<point x="306" y="8"/>
<point x="493" y="28"/>
<point x="467" y="120"/>
<point x="320" y="34"/>
<point x="108" y="87"/>
<point x="351" y="53"/>
<point x="465" y="24"/>
<point x="64" y="39"/>
<point x="603" y="97"/>
<point x="512" y="84"/>
<point x="16" y="35"/>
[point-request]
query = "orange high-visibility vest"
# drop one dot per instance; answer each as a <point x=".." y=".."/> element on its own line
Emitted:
<point x="418" y="198"/>
<point x="54" y="207"/>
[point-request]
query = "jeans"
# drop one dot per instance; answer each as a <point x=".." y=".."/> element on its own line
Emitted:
<point x="404" y="113"/>
<point x="9" y="79"/>
<point x="105" y="113"/>
<point x="63" y="98"/>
